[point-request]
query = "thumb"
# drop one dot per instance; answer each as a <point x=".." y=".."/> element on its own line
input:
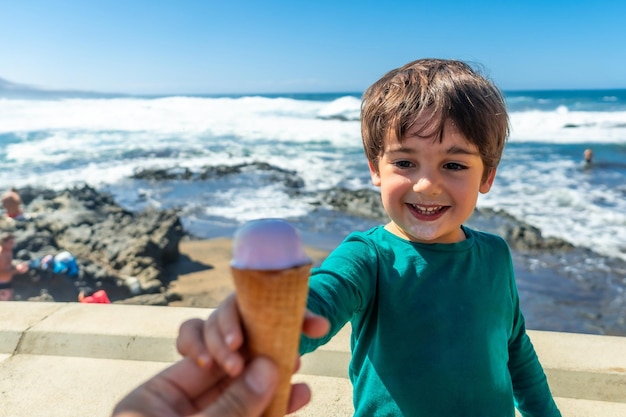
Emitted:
<point x="249" y="394"/>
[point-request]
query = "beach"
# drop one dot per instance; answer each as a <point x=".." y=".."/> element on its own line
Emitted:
<point x="216" y="162"/>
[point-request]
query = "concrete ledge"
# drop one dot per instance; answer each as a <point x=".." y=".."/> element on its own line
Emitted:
<point x="70" y="359"/>
<point x="583" y="366"/>
<point x="17" y="318"/>
<point x="102" y="331"/>
<point x="64" y="386"/>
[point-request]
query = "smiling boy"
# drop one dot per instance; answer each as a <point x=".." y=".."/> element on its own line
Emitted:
<point x="437" y="329"/>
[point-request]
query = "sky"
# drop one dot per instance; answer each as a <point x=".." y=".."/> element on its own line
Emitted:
<point x="266" y="46"/>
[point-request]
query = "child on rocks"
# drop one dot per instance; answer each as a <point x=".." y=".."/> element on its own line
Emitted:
<point x="12" y="204"/>
<point x="437" y="328"/>
<point x="8" y="267"/>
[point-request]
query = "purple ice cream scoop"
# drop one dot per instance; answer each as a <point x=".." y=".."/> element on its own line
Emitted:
<point x="268" y="244"/>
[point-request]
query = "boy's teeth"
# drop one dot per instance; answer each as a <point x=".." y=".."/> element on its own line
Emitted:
<point x="426" y="210"/>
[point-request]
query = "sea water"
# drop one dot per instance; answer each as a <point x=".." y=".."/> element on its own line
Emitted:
<point x="59" y="142"/>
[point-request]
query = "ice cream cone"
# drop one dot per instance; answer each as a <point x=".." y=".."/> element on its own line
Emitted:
<point x="272" y="305"/>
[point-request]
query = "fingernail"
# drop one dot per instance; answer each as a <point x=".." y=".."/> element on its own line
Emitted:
<point x="231" y="364"/>
<point x="230" y="340"/>
<point x="256" y="377"/>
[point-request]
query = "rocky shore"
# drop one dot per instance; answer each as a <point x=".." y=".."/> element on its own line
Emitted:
<point x="134" y="255"/>
<point x="121" y="252"/>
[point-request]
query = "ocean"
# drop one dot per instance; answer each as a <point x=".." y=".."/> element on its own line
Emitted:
<point x="58" y="142"/>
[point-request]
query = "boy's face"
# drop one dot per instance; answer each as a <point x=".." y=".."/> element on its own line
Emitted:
<point x="429" y="187"/>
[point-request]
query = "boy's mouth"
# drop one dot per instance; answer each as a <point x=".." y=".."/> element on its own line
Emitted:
<point x="427" y="212"/>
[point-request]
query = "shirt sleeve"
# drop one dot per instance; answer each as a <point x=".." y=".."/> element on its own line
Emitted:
<point x="342" y="286"/>
<point x="530" y="386"/>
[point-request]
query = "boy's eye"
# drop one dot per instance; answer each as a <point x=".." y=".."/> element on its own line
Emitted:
<point x="403" y="164"/>
<point x="454" y="166"/>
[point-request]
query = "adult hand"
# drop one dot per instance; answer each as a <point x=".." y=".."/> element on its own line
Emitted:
<point x="219" y="339"/>
<point x="184" y="389"/>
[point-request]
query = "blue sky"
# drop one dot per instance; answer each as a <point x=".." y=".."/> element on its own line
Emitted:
<point x="236" y="46"/>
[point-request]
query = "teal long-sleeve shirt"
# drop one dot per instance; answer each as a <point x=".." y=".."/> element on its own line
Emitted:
<point x="437" y="329"/>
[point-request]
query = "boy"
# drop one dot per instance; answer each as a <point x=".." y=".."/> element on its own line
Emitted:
<point x="436" y="324"/>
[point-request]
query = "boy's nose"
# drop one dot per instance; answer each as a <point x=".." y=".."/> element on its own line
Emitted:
<point x="427" y="184"/>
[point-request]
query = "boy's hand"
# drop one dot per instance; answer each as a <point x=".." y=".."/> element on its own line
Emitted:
<point x="220" y="338"/>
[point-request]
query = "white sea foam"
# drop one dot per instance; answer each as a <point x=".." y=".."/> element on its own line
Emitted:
<point x="242" y="204"/>
<point x="564" y="126"/>
<point x="561" y="199"/>
<point x="347" y="108"/>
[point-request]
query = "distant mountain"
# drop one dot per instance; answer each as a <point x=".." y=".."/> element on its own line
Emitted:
<point x="10" y="89"/>
<point x="7" y="85"/>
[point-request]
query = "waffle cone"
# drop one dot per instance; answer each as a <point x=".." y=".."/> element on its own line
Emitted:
<point x="272" y="305"/>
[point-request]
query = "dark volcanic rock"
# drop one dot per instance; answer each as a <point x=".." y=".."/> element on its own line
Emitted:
<point x="275" y="174"/>
<point x="159" y="299"/>
<point x="360" y="203"/>
<point x="519" y="235"/>
<point x="113" y="247"/>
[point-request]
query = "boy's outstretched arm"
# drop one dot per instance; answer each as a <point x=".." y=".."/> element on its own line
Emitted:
<point x="220" y="338"/>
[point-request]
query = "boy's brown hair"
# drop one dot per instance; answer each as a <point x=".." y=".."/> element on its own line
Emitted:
<point x="447" y="90"/>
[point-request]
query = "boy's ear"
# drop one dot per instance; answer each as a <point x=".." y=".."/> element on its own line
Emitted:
<point x="374" y="173"/>
<point x="486" y="185"/>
